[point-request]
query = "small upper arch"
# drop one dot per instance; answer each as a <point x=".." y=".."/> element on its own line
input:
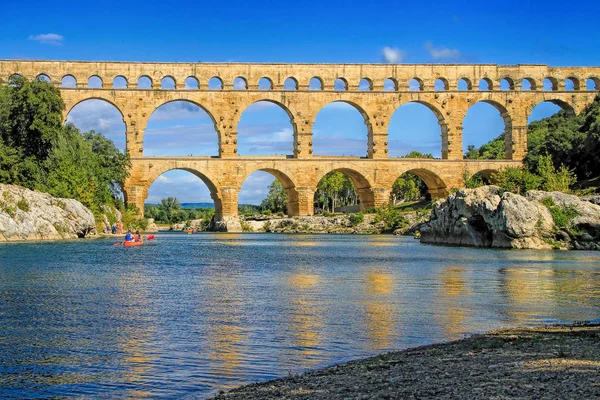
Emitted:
<point x="486" y="84"/>
<point x="168" y="83"/>
<point x="240" y="83"/>
<point x="290" y="83"/>
<point x="315" y="83"/>
<point x="572" y="83"/>
<point x="550" y="83"/>
<point x="215" y="83"/>
<point x="507" y="83"/>
<point x="365" y="84"/>
<point x="265" y="83"/>
<point x="390" y="85"/>
<point x="68" y="81"/>
<point x="593" y="83"/>
<point x="191" y="83"/>
<point x="144" y="82"/>
<point x="464" y="84"/>
<point x="340" y="84"/>
<point x="119" y="82"/>
<point x="94" y="82"/>
<point x="415" y="84"/>
<point x="43" y="78"/>
<point x="441" y="84"/>
<point x="528" y="83"/>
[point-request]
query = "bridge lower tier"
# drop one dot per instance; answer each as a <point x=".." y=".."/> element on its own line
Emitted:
<point x="373" y="178"/>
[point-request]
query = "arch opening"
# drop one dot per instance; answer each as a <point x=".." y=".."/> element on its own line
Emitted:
<point x="484" y="131"/>
<point x="191" y="83"/>
<point x="215" y="83"/>
<point x="266" y="128"/>
<point x="592" y="83"/>
<point x="290" y="84"/>
<point x="507" y="83"/>
<point x="528" y="84"/>
<point x="184" y="197"/>
<point x="550" y="84"/>
<point x="265" y="84"/>
<point x="340" y="84"/>
<point x="486" y="84"/>
<point x="390" y="85"/>
<point x="416" y="186"/>
<point x="167" y="83"/>
<point x="240" y="83"/>
<point x="415" y="130"/>
<point x="99" y="116"/>
<point x="94" y="82"/>
<point x="181" y="128"/>
<point x="548" y="108"/>
<point x="464" y="84"/>
<point x="315" y="83"/>
<point x="268" y="191"/>
<point x="144" y="82"/>
<point x="571" y="83"/>
<point x="343" y="190"/>
<point x="365" y="85"/>
<point x="441" y="84"/>
<point x="42" y="78"/>
<point x="415" y="85"/>
<point x="342" y="129"/>
<point x="68" y="81"/>
<point x="119" y="82"/>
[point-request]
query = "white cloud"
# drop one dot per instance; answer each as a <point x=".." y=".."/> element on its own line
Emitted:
<point x="392" y="55"/>
<point x="52" y="39"/>
<point x="442" y="53"/>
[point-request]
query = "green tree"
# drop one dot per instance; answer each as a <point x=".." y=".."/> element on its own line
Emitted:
<point x="168" y="210"/>
<point x="493" y="150"/>
<point x="276" y="200"/>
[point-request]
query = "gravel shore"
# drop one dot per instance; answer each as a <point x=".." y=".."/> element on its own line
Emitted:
<point x="555" y="362"/>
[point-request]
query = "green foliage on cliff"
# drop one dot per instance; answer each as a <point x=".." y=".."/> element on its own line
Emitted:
<point x="38" y="152"/>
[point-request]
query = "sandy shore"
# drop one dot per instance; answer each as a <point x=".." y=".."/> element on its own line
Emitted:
<point x="557" y="362"/>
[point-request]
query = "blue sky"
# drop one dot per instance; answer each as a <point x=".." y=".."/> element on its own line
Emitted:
<point x="260" y="31"/>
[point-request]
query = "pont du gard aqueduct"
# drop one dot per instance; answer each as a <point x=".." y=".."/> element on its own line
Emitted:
<point x="375" y="90"/>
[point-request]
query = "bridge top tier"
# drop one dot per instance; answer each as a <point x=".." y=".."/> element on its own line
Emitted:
<point x="351" y="74"/>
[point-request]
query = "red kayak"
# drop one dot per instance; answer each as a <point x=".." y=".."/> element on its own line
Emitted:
<point x="131" y="243"/>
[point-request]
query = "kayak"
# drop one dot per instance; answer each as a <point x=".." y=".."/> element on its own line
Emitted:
<point x="133" y="244"/>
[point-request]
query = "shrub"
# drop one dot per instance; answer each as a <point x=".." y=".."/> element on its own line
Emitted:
<point x="23" y="205"/>
<point x="356" y="218"/>
<point x="391" y="218"/>
<point x="562" y="216"/>
<point x="472" y="182"/>
<point x="246" y="227"/>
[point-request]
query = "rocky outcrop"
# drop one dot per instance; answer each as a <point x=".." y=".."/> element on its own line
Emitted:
<point x="151" y="227"/>
<point x="486" y="217"/>
<point x="29" y="215"/>
<point x="314" y="224"/>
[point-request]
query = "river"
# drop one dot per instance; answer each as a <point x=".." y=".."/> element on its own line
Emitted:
<point x="185" y="316"/>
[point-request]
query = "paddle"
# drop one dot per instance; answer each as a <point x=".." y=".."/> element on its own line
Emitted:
<point x="149" y="237"/>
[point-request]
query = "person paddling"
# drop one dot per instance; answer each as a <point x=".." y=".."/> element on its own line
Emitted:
<point x="137" y="236"/>
<point x="128" y="237"/>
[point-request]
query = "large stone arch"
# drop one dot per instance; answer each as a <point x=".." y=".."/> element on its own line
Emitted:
<point x="69" y="105"/>
<point x="565" y="105"/>
<point x="364" y="187"/>
<point x="508" y="124"/>
<point x="435" y="183"/>
<point x="294" y="198"/>
<point x="209" y="181"/>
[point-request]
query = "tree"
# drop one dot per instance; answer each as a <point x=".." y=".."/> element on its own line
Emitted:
<point x="492" y="150"/>
<point x="168" y="210"/>
<point x="276" y="200"/>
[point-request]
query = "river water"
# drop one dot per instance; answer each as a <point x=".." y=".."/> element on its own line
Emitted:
<point x="185" y="316"/>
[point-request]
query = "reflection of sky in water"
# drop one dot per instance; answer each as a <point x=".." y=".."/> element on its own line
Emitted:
<point x="191" y="314"/>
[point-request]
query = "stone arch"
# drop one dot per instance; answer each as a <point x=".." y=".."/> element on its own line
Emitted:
<point x="507" y="83"/>
<point x="340" y="84"/>
<point x="441" y="84"/>
<point x="362" y="112"/>
<point x="435" y="184"/>
<point x="593" y="83"/>
<point x="504" y="114"/>
<point x="290" y="83"/>
<point x="288" y="184"/>
<point x="215" y="83"/>
<point x="168" y="83"/>
<point x="68" y="81"/>
<point x="568" y="108"/>
<point x="205" y="178"/>
<point x="415" y="84"/>
<point x="194" y="103"/>
<point x="240" y="83"/>
<point x="365" y="84"/>
<point x="390" y="85"/>
<point x="464" y="84"/>
<point x="486" y="84"/>
<point x="550" y="83"/>
<point x="120" y="82"/>
<point x="43" y="77"/>
<point x="528" y="83"/>
<point x="362" y="184"/>
<point x="144" y="82"/>
<point x="436" y="112"/>
<point x="69" y="107"/>
<point x="95" y="82"/>
<point x="265" y="83"/>
<point x="572" y="83"/>
<point x="315" y="83"/>
<point x="191" y="83"/>
<point x="486" y="175"/>
<point x="281" y="106"/>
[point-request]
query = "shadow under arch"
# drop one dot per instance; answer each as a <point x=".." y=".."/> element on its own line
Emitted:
<point x="288" y="185"/>
<point x="486" y="175"/>
<point x="364" y="188"/>
<point x="214" y="192"/>
<point x="435" y="185"/>
<point x="202" y="107"/>
<point x="504" y="114"/>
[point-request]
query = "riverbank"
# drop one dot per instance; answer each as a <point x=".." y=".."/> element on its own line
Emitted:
<point x="554" y="362"/>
